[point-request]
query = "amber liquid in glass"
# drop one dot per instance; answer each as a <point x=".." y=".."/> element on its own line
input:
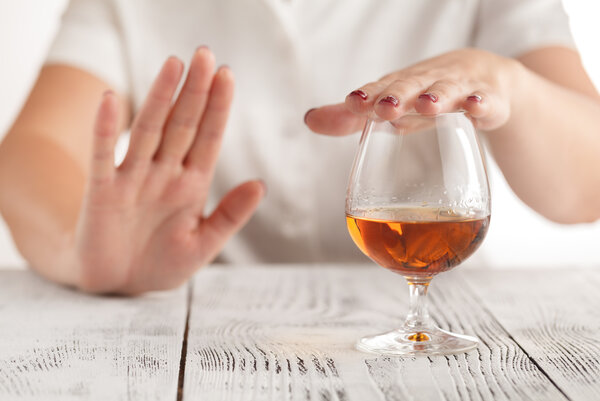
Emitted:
<point x="418" y="242"/>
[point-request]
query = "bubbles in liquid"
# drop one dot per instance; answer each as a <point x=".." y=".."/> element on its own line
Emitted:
<point x="423" y="213"/>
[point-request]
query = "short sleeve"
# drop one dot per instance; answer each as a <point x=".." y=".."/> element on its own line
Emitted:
<point x="514" y="27"/>
<point x="90" y="38"/>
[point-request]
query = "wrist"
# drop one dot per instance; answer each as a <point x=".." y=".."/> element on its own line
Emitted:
<point x="514" y="82"/>
<point x="55" y="261"/>
<point x="517" y="82"/>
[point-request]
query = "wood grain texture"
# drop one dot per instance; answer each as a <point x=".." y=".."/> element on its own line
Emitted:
<point x="555" y="316"/>
<point x="58" y="344"/>
<point x="288" y="334"/>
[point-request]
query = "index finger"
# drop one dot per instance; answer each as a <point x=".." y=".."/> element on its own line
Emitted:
<point x="334" y="120"/>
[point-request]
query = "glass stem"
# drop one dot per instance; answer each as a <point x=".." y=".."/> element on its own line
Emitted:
<point x="418" y="315"/>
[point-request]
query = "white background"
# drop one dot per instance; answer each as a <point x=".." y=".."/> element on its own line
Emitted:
<point x="517" y="236"/>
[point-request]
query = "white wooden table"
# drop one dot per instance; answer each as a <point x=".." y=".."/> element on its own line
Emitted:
<point x="287" y="333"/>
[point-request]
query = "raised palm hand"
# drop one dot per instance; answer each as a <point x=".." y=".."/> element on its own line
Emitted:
<point x="142" y="224"/>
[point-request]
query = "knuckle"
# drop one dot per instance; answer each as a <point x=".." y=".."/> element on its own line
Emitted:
<point x="160" y="97"/>
<point x="219" y="108"/>
<point x="104" y="129"/>
<point x="445" y="86"/>
<point x="197" y="91"/>
<point x="409" y="82"/>
<point x="147" y="127"/>
<point x="431" y="72"/>
<point x="228" y="220"/>
<point x="169" y="159"/>
<point x="211" y="134"/>
<point x="139" y="166"/>
<point x="187" y="123"/>
<point x="397" y="85"/>
<point x="374" y="87"/>
<point x="382" y="81"/>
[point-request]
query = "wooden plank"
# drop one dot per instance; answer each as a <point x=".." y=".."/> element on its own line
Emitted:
<point x="288" y="334"/>
<point x="59" y="344"/>
<point x="555" y="316"/>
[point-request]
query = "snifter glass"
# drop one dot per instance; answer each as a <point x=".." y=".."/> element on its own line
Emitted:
<point x="418" y="204"/>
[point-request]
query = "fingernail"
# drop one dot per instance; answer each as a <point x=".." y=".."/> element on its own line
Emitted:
<point x="429" y="96"/>
<point x="359" y="93"/>
<point x="390" y="100"/>
<point x="179" y="62"/>
<point x="224" y="69"/>
<point x="306" y="114"/>
<point x="202" y="47"/>
<point x="474" y="98"/>
<point x="108" y="92"/>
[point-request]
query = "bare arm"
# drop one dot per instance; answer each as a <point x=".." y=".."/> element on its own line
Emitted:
<point x="44" y="162"/>
<point x="541" y="114"/>
<point x="548" y="150"/>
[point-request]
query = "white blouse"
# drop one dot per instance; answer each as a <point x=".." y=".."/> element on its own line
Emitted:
<point x="289" y="56"/>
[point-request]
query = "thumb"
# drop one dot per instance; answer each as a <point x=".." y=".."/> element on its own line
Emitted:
<point x="234" y="210"/>
<point x="335" y="120"/>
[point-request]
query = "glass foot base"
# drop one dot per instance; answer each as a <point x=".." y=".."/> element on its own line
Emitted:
<point x="431" y="341"/>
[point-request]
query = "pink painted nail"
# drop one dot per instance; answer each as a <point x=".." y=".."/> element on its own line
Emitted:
<point x="429" y="96"/>
<point x="390" y="100"/>
<point x="474" y="98"/>
<point x="359" y="93"/>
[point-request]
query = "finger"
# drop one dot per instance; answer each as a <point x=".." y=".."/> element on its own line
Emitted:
<point x="234" y="210"/>
<point x="334" y="120"/>
<point x="147" y="127"/>
<point x="105" y="138"/>
<point x="204" y="151"/>
<point x="486" y="110"/>
<point x="361" y="100"/>
<point x="442" y="96"/>
<point x="398" y="98"/>
<point x="183" y="120"/>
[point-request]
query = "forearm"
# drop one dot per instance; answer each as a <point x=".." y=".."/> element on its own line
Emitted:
<point x="548" y="150"/>
<point x="41" y="188"/>
<point x="44" y="163"/>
